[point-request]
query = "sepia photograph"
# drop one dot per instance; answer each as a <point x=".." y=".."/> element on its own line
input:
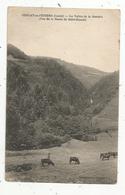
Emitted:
<point x="62" y="95"/>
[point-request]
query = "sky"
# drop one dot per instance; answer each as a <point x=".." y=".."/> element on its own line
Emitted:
<point x="94" y="42"/>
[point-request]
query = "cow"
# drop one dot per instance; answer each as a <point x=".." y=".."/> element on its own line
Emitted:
<point x="47" y="161"/>
<point x="105" y="156"/>
<point x="74" y="159"/>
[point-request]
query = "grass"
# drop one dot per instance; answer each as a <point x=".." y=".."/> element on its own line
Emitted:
<point x="90" y="170"/>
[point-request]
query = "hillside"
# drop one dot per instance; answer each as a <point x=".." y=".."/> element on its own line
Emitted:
<point x="108" y="117"/>
<point x="47" y="105"/>
<point x="88" y="76"/>
<point x="44" y="101"/>
<point x="104" y="103"/>
<point x="16" y="53"/>
<point x="103" y="92"/>
<point x="111" y="109"/>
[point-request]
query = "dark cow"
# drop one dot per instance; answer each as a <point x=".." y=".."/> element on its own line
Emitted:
<point x="74" y="159"/>
<point x="104" y="156"/>
<point x="47" y="161"/>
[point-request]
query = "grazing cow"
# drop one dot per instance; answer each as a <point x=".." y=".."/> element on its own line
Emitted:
<point x="74" y="159"/>
<point x="104" y="156"/>
<point x="47" y="161"/>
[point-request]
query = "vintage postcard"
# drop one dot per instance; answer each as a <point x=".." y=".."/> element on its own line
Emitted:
<point x="62" y="95"/>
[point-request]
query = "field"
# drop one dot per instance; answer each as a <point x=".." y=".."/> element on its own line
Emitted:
<point x="90" y="170"/>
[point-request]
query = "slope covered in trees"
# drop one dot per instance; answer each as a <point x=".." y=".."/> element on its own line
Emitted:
<point x="44" y="102"/>
<point x="103" y="92"/>
<point x="47" y="104"/>
<point x="88" y="76"/>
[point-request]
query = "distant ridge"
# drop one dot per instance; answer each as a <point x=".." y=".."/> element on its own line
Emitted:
<point x="88" y="76"/>
<point x="14" y="52"/>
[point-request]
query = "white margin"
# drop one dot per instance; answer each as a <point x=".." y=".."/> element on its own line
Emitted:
<point x="21" y="188"/>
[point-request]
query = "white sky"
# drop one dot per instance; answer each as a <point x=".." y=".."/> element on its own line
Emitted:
<point x="92" y="43"/>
